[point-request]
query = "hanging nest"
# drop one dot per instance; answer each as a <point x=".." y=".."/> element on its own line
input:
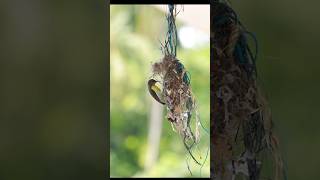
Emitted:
<point x="241" y="121"/>
<point x="176" y="93"/>
<point x="178" y="98"/>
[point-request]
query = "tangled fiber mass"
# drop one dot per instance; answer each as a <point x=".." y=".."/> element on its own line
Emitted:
<point x="180" y="103"/>
<point x="242" y="138"/>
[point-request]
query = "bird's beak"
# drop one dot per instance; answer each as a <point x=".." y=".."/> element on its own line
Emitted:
<point x="152" y="90"/>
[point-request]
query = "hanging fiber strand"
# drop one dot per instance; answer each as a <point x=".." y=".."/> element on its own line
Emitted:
<point x="170" y="47"/>
<point x="176" y="93"/>
<point x="243" y="142"/>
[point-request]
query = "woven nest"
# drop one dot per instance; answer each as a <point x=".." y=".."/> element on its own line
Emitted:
<point x="177" y="95"/>
<point x="241" y="122"/>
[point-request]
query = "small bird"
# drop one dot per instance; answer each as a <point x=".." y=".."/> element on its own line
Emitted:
<point x="154" y="90"/>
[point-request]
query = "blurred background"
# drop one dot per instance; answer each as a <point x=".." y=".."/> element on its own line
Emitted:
<point x="142" y="142"/>
<point x="53" y="89"/>
<point x="289" y="72"/>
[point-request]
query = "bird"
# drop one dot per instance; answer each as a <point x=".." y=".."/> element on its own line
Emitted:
<point x="155" y="90"/>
